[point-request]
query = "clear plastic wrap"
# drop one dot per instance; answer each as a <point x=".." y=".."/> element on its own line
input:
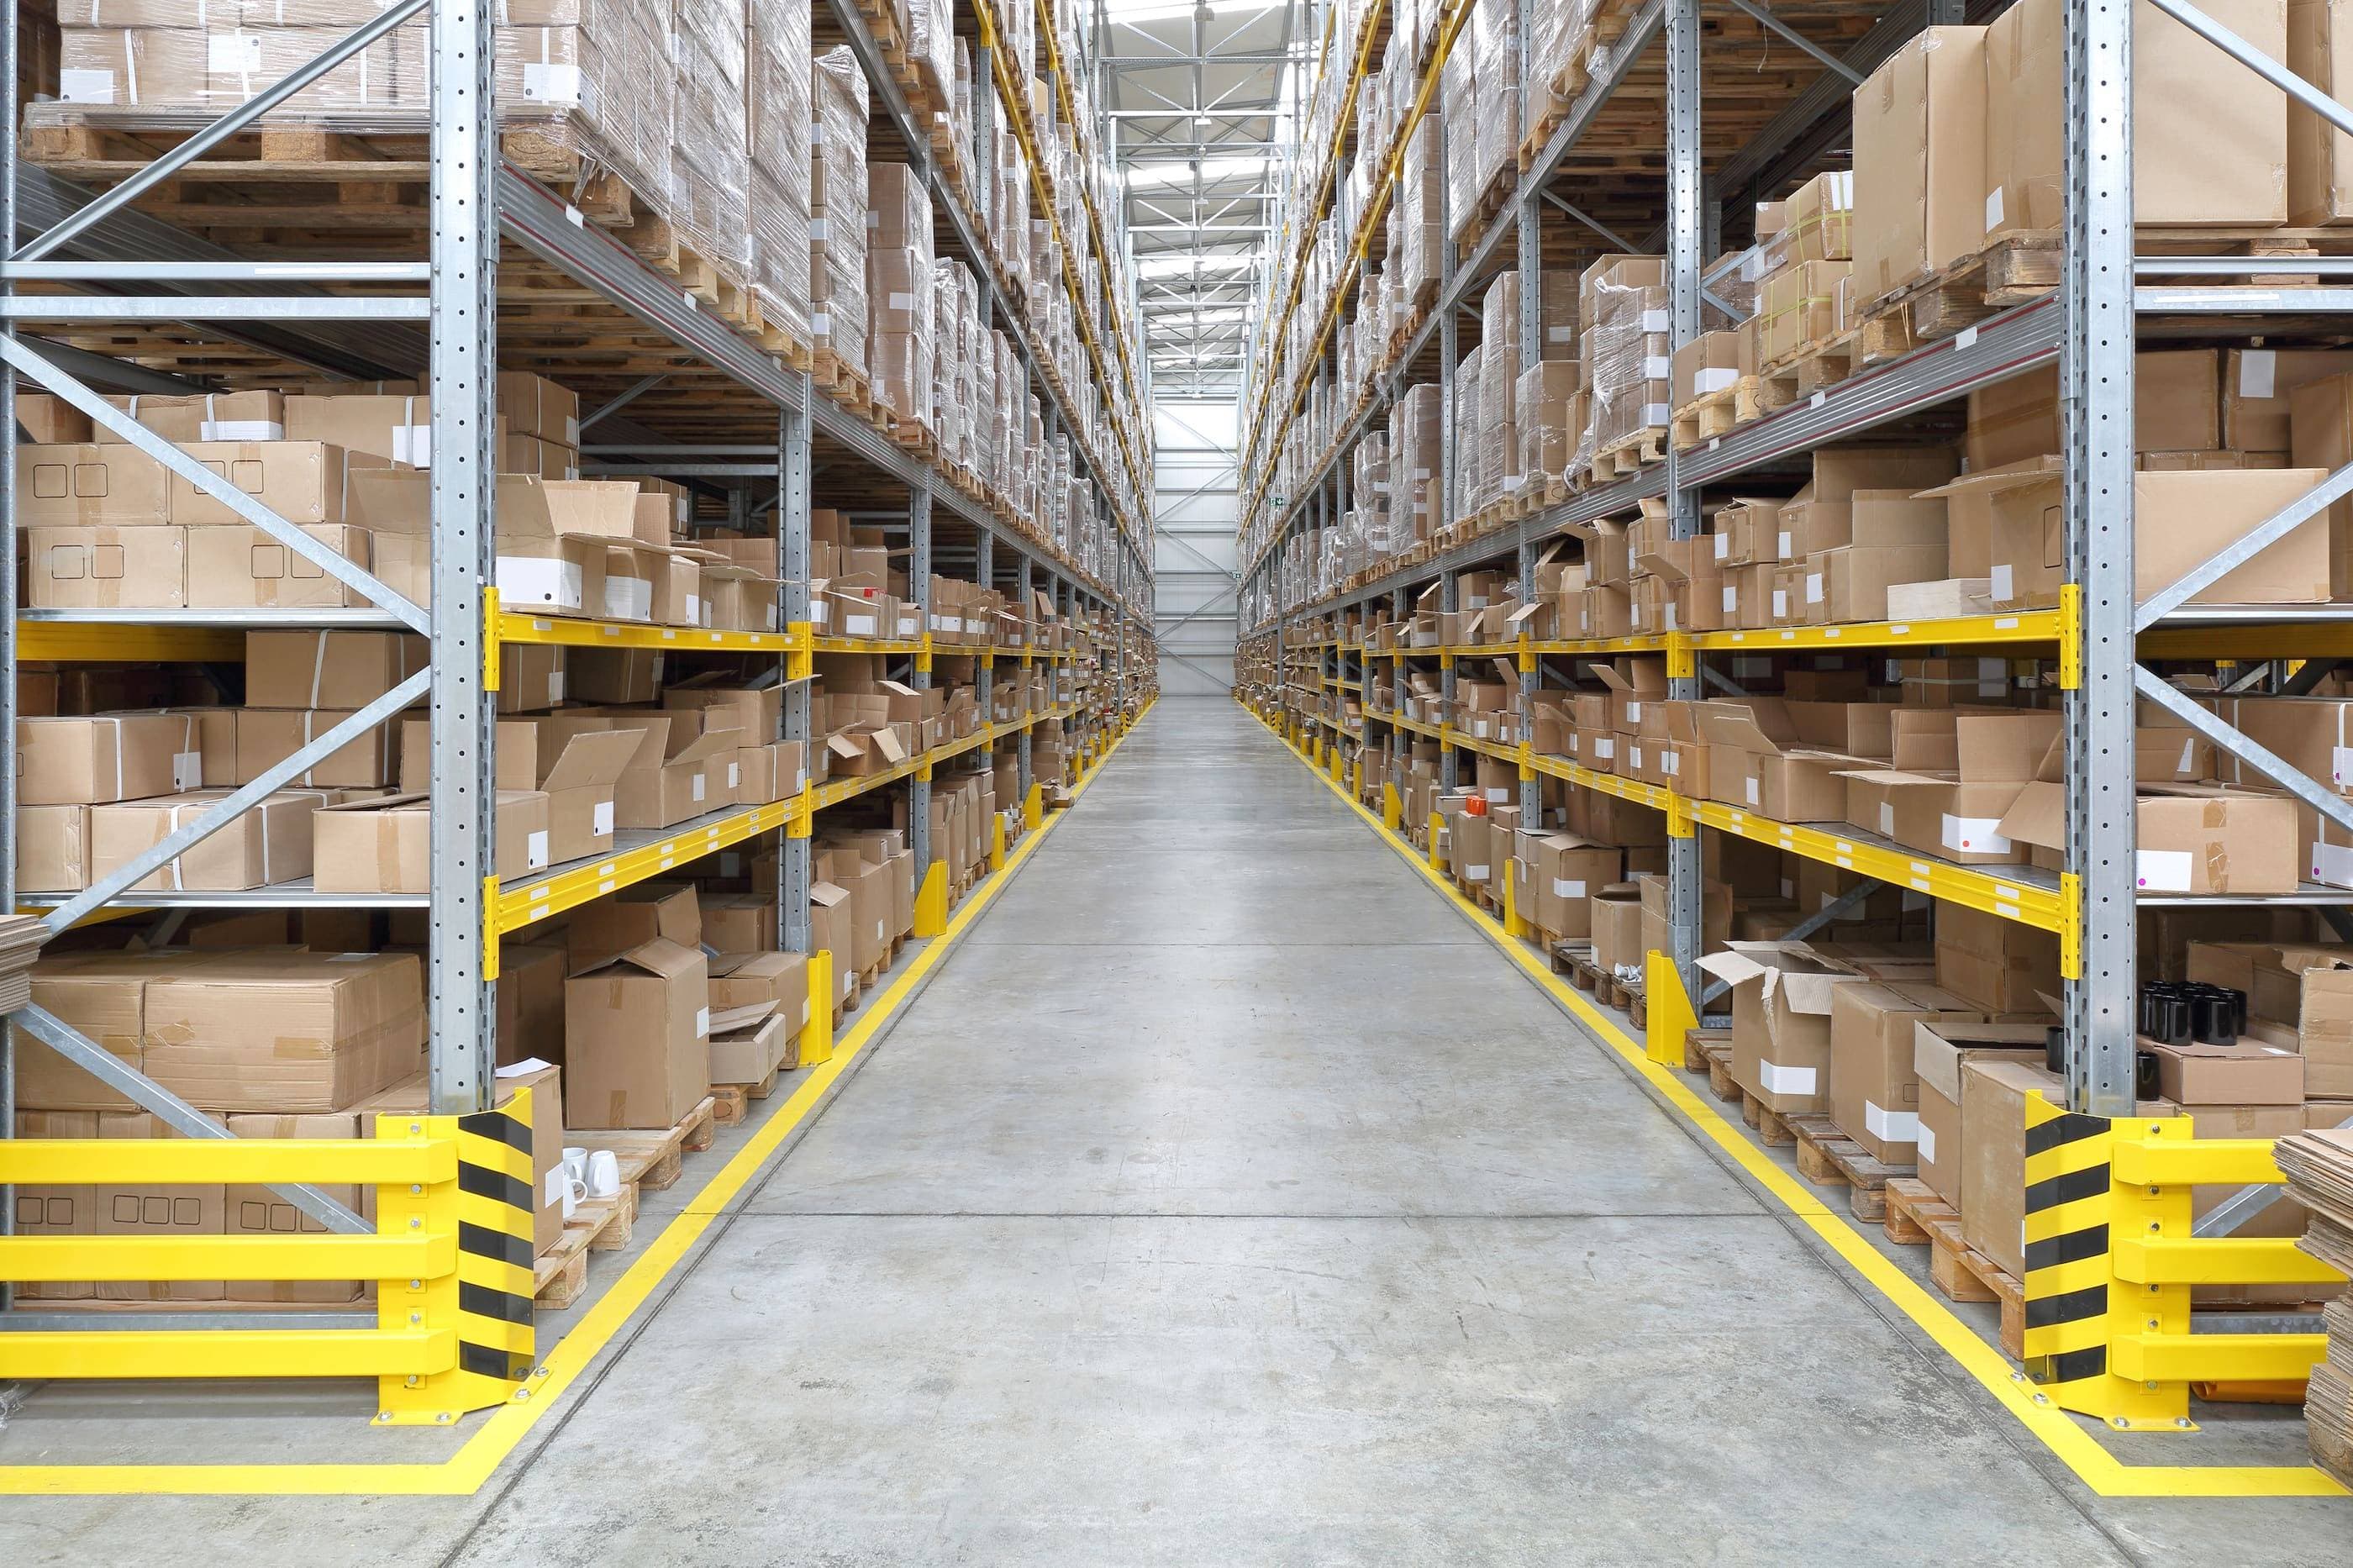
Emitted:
<point x="1414" y="431"/>
<point x="837" y="307"/>
<point x="1627" y="355"/>
<point x="930" y="33"/>
<point x="1421" y="188"/>
<point x="777" y="117"/>
<point x="1499" y="375"/>
<point x="177" y="56"/>
<point x="1470" y="486"/>
<point x="900" y="289"/>
<point x="710" y="153"/>
<point x="1495" y="41"/>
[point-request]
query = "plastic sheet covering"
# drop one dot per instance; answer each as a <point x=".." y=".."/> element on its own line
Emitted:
<point x="838" y="310"/>
<point x="1499" y="375"/>
<point x="1627" y="351"/>
<point x="1470" y="487"/>
<point x="711" y="175"/>
<point x="777" y="116"/>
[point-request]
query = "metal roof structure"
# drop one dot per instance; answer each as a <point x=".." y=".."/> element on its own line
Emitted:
<point x="1201" y="101"/>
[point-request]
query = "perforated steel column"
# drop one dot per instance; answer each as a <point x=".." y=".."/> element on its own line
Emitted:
<point x="1683" y="858"/>
<point x="792" y="871"/>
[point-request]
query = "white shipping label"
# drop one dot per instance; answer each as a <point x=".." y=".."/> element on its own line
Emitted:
<point x="1567" y="888"/>
<point x="233" y="54"/>
<point x="1781" y="546"/>
<point x="2332" y="864"/>
<point x="1731" y="599"/>
<point x="1671" y="763"/>
<point x="1497" y="795"/>
<point x="2340" y="760"/>
<point x="1606" y="747"/>
<point x="187" y="770"/>
<point x="2000" y="579"/>
<point x="702" y="1022"/>
<point x="734" y="776"/>
<point x="1974" y="834"/>
<point x="553" y="84"/>
<point x="83" y="86"/>
<point x="695" y="616"/>
<point x="1775" y="1079"/>
<point x="1780" y="604"/>
<point x="1476" y="873"/>
<point x="1560" y="334"/>
<point x="554" y="688"/>
<point x="2258" y="371"/>
<point x="1886" y="819"/>
<point x="1813" y="587"/>
<point x="855" y="626"/>
<point x="413" y="445"/>
<point x="1714" y="378"/>
<point x="1892" y="1126"/>
<point x="699" y="788"/>
<point x="1748" y="787"/>
<point x="1657" y="367"/>
<point x="1926" y="1136"/>
<point x="628" y="599"/>
<point x="1657" y="321"/>
<point x="600" y="818"/>
<point x="1656" y="414"/>
<point x="534" y="850"/>
<point x="1633" y="754"/>
<point x="2161" y="870"/>
<point x="1993" y="209"/>
<point x="897" y="301"/>
<point x="1633" y="712"/>
<point x="1722" y="546"/>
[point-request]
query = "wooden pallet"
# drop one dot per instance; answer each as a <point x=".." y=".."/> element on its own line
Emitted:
<point x="845" y="387"/>
<point x="1628" y="453"/>
<point x="1772" y="1127"/>
<point x="1828" y="1158"/>
<point x="2011" y="270"/>
<point x="1705" y="417"/>
<point x="649" y="1162"/>
<point x="731" y="1102"/>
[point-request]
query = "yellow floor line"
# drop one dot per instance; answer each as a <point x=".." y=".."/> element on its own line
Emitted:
<point x="473" y="1464"/>
<point x="2076" y="1447"/>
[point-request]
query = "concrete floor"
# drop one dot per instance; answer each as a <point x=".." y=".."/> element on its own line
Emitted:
<point x="1227" y="1199"/>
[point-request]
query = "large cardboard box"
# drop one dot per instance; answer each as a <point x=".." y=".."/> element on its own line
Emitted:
<point x="530" y="1002"/>
<point x="234" y="567"/>
<point x="636" y="1039"/>
<point x="56" y="1211"/>
<point x="385" y="844"/>
<point x="2195" y="1075"/>
<point x="2210" y="143"/>
<point x="581" y="784"/>
<point x="747" y="1043"/>
<point x="1994" y="1092"/>
<point x="2180" y="519"/>
<point x="1563" y="872"/>
<point x="743" y="979"/>
<point x="267" y="736"/>
<point x="1874" y="1088"/>
<point x="283" y="1030"/>
<point x="1992" y="963"/>
<point x="1616" y="914"/>
<point x="180" y="1210"/>
<point x="1919" y="160"/>
<point x="739" y="922"/>
<point x="270" y="843"/>
<point x="601" y="931"/>
<point x="90" y="760"/>
<point x="1939" y="1050"/>
<point x="2304" y="986"/>
<point x="343" y="669"/>
<point x="253" y="1210"/>
<point x="1781" y="994"/>
<point x="106" y="568"/>
<point x="2189" y="838"/>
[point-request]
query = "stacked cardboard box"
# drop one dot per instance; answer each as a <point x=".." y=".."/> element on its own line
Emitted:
<point x="838" y="309"/>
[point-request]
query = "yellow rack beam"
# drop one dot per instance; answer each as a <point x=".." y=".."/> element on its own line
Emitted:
<point x="328" y="1257"/>
<point x="146" y="1161"/>
<point x="567" y="632"/>
<point x="217" y="1352"/>
<point x="88" y="642"/>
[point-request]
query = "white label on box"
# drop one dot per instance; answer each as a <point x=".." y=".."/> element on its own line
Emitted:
<point x="2161" y="870"/>
<point x="1567" y="888"/>
<point x="1672" y="763"/>
<point x="702" y="1022"/>
<point x="1560" y="334"/>
<point x="1975" y="834"/>
<point x="1633" y="754"/>
<point x="535" y="580"/>
<point x="1657" y="367"/>
<point x="233" y="54"/>
<point x="2332" y="864"/>
<point x="1886" y="819"/>
<point x="600" y="818"/>
<point x="860" y="626"/>
<point x="1780" y="604"/>
<point x="1498" y="795"/>
<point x="1781" y="546"/>
<point x="1475" y="873"/>
<point x="1926" y="1136"/>
<point x="1656" y="414"/>
<point x="1633" y="711"/>
<point x="1998" y="579"/>
<point x="550" y="84"/>
<point x="2257" y="372"/>
<point x="187" y="770"/>
<point x="413" y="445"/>
<point x="554" y="688"/>
<point x="1963" y="339"/>
<point x="1775" y="1079"/>
<point x="897" y="301"/>
<point x="628" y="599"/>
<point x="1813" y="587"/>
<point x="2340" y="760"/>
<point x="240" y="430"/>
<point x="800" y="780"/>
<point x="1731" y="599"/>
<point x="83" y="86"/>
<point x="1714" y="378"/>
<point x="1656" y="321"/>
<point x="695" y="612"/>
<point x="1892" y="1126"/>
<point x="1748" y="787"/>
<point x="1606" y="747"/>
<point x="1722" y="546"/>
<point x="1993" y="209"/>
<point x="534" y="850"/>
<point x="734" y="776"/>
<point x="698" y="788"/>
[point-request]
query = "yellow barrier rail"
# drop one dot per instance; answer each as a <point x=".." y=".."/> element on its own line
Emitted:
<point x="2112" y="1260"/>
<point x="451" y="1260"/>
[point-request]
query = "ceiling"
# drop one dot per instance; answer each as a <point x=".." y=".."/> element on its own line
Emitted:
<point x="1200" y="118"/>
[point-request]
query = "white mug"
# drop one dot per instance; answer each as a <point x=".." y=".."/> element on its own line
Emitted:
<point x="603" y="1178"/>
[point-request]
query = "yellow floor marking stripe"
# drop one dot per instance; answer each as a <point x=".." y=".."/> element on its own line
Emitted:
<point x="474" y="1463"/>
<point x="2077" y="1448"/>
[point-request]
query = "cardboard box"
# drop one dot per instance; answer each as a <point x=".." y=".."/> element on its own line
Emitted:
<point x="106" y="568"/>
<point x="340" y="669"/>
<point x="284" y="1030"/>
<point x="263" y="1211"/>
<point x="1919" y="160"/>
<point x="607" y="928"/>
<point x="1874" y="1088"/>
<point x="58" y="1210"/>
<point x="743" y="979"/>
<point x="529" y="1001"/>
<point x="383" y="844"/>
<point x="234" y="567"/>
<point x="267" y="736"/>
<point x="636" y="1039"/>
<point x="2247" y="1073"/>
<point x="53" y="848"/>
<point x="1994" y="1092"/>
<point x="747" y="1043"/>
<point x="1781" y="994"/>
<point x="1939" y="1050"/>
<point x="104" y="996"/>
<point x="268" y="843"/>
<point x="580" y="786"/>
<point x="2190" y="838"/>
<point x="90" y="760"/>
<point x="156" y="1210"/>
<point x="1992" y="963"/>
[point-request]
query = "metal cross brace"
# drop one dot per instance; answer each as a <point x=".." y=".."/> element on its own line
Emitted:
<point x="1830" y="913"/>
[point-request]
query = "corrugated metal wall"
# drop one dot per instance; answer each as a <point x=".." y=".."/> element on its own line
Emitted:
<point x="1193" y="547"/>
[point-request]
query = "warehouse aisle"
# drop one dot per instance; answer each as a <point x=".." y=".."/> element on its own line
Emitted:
<point x="1230" y="1201"/>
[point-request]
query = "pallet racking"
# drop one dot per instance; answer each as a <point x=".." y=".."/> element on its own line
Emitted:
<point x="514" y="273"/>
<point x="1632" y="165"/>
